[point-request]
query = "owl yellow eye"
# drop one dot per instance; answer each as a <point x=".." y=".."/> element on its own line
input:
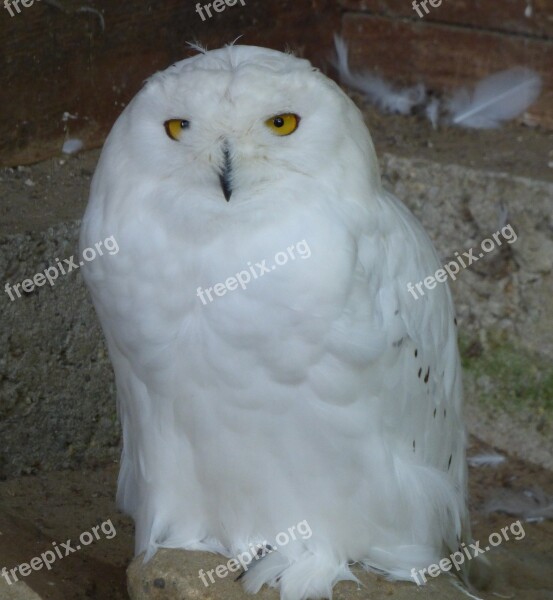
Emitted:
<point x="175" y="127"/>
<point x="283" y="124"/>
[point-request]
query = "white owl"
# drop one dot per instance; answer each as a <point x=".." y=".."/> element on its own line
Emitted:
<point x="322" y="391"/>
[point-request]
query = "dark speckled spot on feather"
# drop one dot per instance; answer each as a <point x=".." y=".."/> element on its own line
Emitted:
<point x="427" y="375"/>
<point x="449" y="463"/>
<point x="420" y="371"/>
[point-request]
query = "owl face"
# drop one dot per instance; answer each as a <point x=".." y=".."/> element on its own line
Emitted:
<point x="236" y="124"/>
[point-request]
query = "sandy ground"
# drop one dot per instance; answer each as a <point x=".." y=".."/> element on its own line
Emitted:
<point x="38" y="510"/>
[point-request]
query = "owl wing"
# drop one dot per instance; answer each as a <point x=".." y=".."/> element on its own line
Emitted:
<point x="416" y="373"/>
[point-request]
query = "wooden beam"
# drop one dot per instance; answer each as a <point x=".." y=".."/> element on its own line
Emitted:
<point x="446" y="57"/>
<point x="58" y="59"/>
<point x="530" y="17"/>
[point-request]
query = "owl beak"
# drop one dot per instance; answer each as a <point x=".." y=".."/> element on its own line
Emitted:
<point x="225" y="175"/>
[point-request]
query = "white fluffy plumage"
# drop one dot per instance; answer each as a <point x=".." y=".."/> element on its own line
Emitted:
<point x="323" y="392"/>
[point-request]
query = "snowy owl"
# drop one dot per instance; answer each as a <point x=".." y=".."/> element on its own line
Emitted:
<point x="321" y="391"/>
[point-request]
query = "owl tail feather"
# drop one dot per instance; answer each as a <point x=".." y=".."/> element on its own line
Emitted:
<point x="307" y="576"/>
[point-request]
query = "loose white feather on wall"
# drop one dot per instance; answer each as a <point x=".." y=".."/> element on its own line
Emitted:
<point x="497" y="98"/>
<point x="378" y="91"/>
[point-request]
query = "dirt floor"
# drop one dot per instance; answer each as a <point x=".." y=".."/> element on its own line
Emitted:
<point x="38" y="510"/>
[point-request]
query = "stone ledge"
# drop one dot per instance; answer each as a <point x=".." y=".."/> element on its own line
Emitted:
<point x="174" y="574"/>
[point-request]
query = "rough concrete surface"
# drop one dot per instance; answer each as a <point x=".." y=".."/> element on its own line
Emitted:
<point x="507" y="288"/>
<point x="57" y="408"/>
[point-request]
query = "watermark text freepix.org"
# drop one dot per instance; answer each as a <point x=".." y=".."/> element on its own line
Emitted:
<point x="256" y="552"/>
<point x="218" y="6"/>
<point x="453" y="267"/>
<point x="254" y="272"/>
<point x="456" y="559"/>
<point x="52" y="273"/>
<point x="49" y="557"/>
<point x="417" y="6"/>
<point x="9" y="5"/>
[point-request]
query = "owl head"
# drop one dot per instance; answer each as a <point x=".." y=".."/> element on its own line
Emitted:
<point x="236" y="124"/>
